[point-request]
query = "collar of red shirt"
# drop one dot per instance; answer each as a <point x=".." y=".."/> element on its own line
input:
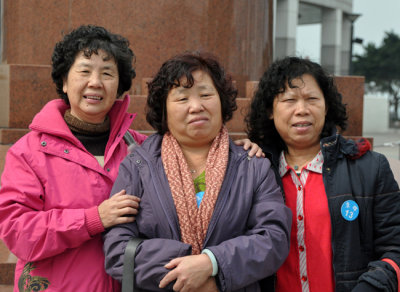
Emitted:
<point x="315" y="165"/>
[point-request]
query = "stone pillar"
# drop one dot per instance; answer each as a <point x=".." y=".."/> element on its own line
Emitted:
<point x="286" y="26"/>
<point x="345" y="49"/>
<point x="331" y="38"/>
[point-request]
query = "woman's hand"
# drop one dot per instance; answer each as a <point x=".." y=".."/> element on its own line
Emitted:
<point x="254" y="148"/>
<point x="190" y="272"/>
<point x="209" y="286"/>
<point x="114" y="210"/>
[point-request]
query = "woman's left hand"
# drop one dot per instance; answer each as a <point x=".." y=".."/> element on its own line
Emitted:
<point x="254" y="148"/>
<point x="190" y="272"/>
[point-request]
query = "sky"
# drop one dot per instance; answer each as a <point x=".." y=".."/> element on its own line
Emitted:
<point x="377" y="17"/>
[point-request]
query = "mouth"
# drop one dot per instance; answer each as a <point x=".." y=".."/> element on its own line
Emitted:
<point x="198" y="119"/>
<point x="301" y="125"/>
<point x="92" y="97"/>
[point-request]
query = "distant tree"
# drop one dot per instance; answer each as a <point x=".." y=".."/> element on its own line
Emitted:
<point x="381" y="67"/>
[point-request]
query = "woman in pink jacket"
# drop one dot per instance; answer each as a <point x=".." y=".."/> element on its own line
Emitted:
<point x="57" y="179"/>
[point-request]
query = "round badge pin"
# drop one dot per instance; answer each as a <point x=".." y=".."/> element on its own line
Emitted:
<point x="350" y="210"/>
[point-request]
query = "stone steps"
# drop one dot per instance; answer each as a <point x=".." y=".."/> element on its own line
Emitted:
<point x="6" y="288"/>
<point x="7" y="267"/>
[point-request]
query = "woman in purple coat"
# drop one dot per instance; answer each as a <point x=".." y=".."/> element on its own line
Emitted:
<point x="212" y="218"/>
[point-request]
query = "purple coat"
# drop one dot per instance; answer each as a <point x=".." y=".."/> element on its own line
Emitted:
<point x="248" y="232"/>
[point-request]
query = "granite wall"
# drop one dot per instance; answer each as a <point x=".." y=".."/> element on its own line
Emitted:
<point x="238" y="32"/>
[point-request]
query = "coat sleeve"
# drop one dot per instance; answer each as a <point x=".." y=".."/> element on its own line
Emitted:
<point x="151" y="254"/>
<point x="29" y="231"/>
<point x="263" y="248"/>
<point x="386" y="230"/>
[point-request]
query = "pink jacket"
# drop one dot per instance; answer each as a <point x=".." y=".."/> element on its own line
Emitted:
<point x="50" y="189"/>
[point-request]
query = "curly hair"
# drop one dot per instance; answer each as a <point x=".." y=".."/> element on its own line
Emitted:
<point x="261" y="129"/>
<point x="89" y="39"/>
<point x="183" y="66"/>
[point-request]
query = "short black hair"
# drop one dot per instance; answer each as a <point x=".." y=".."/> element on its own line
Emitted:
<point x="89" y="39"/>
<point x="169" y="76"/>
<point x="261" y="129"/>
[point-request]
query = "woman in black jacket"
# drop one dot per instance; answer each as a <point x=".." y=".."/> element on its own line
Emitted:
<point x="344" y="198"/>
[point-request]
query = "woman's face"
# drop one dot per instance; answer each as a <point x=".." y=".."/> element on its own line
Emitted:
<point x="91" y="86"/>
<point x="299" y="114"/>
<point x="194" y="115"/>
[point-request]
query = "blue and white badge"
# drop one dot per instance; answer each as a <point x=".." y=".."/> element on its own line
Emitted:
<point x="350" y="210"/>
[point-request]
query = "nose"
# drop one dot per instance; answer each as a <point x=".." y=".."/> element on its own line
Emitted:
<point x="301" y="107"/>
<point x="94" y="80"/>
<point x="195" y="104"/>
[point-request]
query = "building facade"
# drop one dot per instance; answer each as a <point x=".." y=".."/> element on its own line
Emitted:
<point x="336" y="18"/>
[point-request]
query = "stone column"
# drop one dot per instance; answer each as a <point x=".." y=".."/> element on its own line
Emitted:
<point x="286" y="26"/>
<point x="345" y="49"/>
<point x="331" y="38"/>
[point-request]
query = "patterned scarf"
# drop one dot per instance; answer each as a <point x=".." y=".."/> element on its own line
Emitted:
<point x="194" y="221"/>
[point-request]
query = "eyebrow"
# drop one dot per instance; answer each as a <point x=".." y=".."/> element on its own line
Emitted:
<point x="87" y="65"/>
<point x="205" y="87"/>
<point x="309" y="92"/>
<point x="181" y="89"/>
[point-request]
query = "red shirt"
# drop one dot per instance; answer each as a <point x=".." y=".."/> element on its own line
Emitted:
<point x="309" y="264"/>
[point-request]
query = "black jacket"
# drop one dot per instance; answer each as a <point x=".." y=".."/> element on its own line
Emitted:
<point x="353" y="173"/>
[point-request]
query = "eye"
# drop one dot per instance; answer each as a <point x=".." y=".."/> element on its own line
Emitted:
<point x="313" y="98"/>
<point x="288" y="100"/>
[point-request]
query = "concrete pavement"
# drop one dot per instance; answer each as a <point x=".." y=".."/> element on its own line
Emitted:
<point x="388" y="143"/>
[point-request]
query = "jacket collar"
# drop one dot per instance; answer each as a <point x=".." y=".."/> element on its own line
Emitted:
<point x="50" y="119"/>
<point x="336" y="146"/>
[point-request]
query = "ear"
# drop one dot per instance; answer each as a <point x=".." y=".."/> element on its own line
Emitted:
<point x="65" y="85"/>
<point x="271" y="115"/>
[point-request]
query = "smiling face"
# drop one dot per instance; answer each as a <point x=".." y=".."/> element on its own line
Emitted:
<point x="91" y="86"/>
<point x="299" y="114"/>
<point x="194" y="114"/>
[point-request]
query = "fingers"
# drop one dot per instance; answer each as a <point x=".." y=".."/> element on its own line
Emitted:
<point x="120" y="193"/>
<point x="168" y="278"/>
<point x="252" y="152"/>
<point x="127" y="201"/>
<point x="173" y="263"/>
<point x="260" y="153"/>
<point x="188" y="272"/>
<point x="255" y="150"/>
<point x="123" y="220"/>
<point x="118" y="209"/>
<point x="172" y="275"/>
<point x="246" y="143"/>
